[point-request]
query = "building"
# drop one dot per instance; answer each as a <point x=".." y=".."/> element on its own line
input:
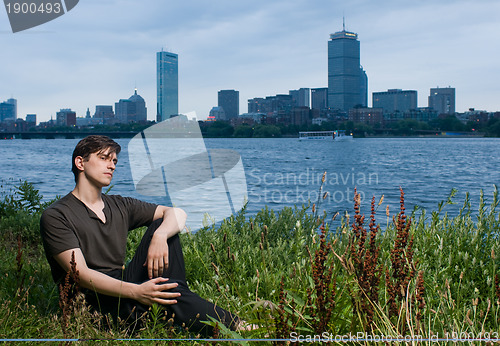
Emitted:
<point x="319" y="98"/>
<point x="88" y="120"/>
<point x="217" y="113"/>
<point x="442" y="100"/>
<point x="478" y="117"/>
<point x="363" y="87"/>
<point x="66" y="117"/>
<point x="31" y="119"/>
<point x="14" y="103"/>
<point x="105" y="114"/>
<point x="424" y="114"/>
<point x="300" y="98"/>
<point x="395" y="100"/>
<point x="347" y="81"/>
<point x="132" y="109"/>
<point x="7" y="112"/>
<point x="229" y="100"/>
<point x="167" y="85"/>
<point x="258" y="105"/>
<point x="301" y="116"/>
<point x="365" y="115"/>
<point x="271" y="104"/>
<point x="249" y="119"/>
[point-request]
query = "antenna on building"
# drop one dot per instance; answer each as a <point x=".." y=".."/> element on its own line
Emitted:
<point x="343" y="23"/>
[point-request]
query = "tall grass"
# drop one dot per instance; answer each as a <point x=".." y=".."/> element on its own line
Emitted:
<point x="291" y="272"/>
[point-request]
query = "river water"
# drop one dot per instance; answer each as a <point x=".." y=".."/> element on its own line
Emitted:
<point x="285" y="172"/>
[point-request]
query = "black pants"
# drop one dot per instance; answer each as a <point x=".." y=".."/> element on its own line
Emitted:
<point x="190" y="309"/>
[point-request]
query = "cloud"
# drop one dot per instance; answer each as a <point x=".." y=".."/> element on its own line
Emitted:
<point x="98" y="52"/>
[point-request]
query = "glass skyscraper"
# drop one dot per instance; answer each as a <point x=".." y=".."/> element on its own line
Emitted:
<point x="167" y="85"/>
<point x="347" y="82"/>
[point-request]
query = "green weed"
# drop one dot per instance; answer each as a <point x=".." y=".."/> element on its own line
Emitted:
<point x="288" y="271"/>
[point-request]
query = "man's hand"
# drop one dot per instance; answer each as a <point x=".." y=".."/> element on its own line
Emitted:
<point x="157" y="260"/>
<point x="149" y="292"/>
<point x="174" y="220"/>
<point x="155" y="291"/>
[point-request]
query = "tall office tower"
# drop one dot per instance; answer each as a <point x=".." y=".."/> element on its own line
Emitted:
<point x="167" y="85"/>
<point x="319" y="98"/>
<point x="395" y="100"/>
<point x="300" y="98"/>
<point x="229" y="100"/>
<point x="344" y="71"/>
<point x="442" y="100"/>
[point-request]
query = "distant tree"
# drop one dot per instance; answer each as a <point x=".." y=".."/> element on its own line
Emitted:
<point x="243" y="131"/>
<point x="219" y="129"/>
<point x="493" y="129"/>
<point x="265" y="131"/>
<point x="449" y="123"/>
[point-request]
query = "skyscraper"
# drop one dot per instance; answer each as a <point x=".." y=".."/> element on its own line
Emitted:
<point x="346" y="78"/>
<point x="442" y="100"/>
<point x="229" y="100"/>
<point x="167" y="85"/>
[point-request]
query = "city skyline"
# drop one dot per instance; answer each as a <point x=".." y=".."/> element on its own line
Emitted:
<point x="258" y="49"/>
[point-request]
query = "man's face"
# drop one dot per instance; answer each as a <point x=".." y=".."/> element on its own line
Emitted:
<point x="99" y="167"/>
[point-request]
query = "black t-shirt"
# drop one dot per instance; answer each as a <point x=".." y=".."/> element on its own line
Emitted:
<point x="69" y="223"/>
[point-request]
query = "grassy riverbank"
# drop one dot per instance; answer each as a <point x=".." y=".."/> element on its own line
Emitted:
<point x="293" y="272"/>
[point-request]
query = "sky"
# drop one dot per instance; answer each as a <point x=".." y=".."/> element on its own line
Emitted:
<point x="101" y="50"/>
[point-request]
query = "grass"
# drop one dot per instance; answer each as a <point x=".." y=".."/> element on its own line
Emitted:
<point x="293" y="272"/>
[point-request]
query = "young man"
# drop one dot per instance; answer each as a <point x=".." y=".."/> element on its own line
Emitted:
<point x="94" y="228"/>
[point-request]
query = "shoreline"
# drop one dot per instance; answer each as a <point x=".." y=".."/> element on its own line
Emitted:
<point x="121" y="134"/>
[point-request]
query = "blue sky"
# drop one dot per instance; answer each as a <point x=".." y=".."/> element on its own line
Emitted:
<point x="100" y="51"/>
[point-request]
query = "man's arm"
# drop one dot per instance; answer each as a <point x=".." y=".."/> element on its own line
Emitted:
<point x="174" y="220"/>
<point x="146" y="293"/>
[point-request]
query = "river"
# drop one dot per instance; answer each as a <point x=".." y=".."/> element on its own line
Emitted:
<point x="285" y="172"/>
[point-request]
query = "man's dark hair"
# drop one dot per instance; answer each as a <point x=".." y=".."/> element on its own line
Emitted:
<point x="90" y="145"/>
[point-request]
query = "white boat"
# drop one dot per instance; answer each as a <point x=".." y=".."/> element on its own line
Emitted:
<point x="338" y="135"/>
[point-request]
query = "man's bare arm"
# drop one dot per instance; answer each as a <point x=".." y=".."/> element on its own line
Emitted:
<point x="146" y="293"/>
<point x="174" y="220"/>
